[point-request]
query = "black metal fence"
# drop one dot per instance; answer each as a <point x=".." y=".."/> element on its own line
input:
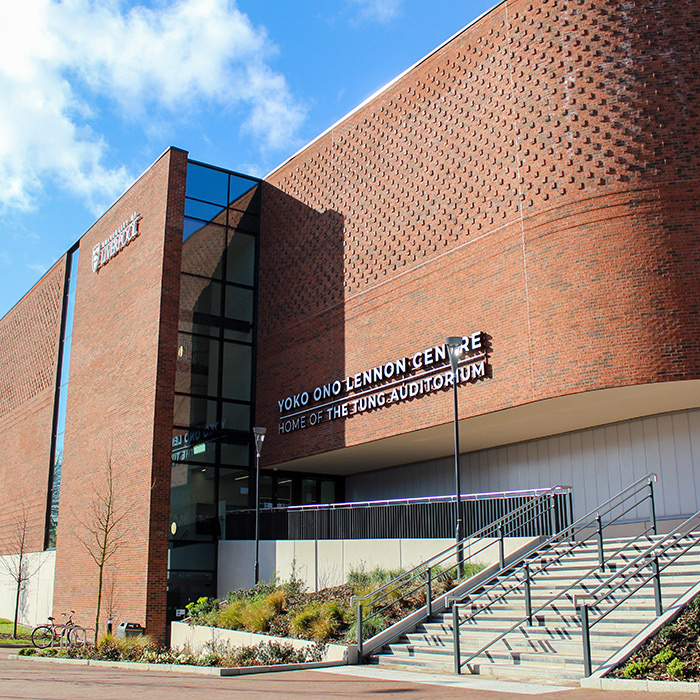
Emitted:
<point x="409" y="518"/>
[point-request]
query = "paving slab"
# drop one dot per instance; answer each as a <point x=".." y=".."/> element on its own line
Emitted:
<point x="47" y="681"/>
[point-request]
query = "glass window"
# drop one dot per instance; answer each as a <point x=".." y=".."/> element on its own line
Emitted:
<point x="199" y="556"/>
<point x="237" y="371"/>
<point x="284" y="491"/>
<point x="70" y="309"/>
<point x="235" y="416"/>
<point x="207" y="184"/>
<point x="234" y="488"/>
<point x="202" y="249"/>
<point x="62" y="400"/>
<point x="239" y="307"/>
<point x="191" y="411"/>
<point x="205" y="211"/>
<point x="240" y="258"/>
<point x="308" y="491"/>
<point x="197" y="365"/>
<point x="266" y="491"/>
<point x="242" y="191"/>
<point x="192" y="509"/>
<point x="200" y="305"/>
<point x="195" y="444"/>
<point x="243" y="220"/>
<point x="65" y="362"/>
<point x="234" y="454"/>
<point x="327" y="491"/>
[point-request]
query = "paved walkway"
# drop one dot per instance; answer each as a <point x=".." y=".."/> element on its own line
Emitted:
<point x="27" y="680"/>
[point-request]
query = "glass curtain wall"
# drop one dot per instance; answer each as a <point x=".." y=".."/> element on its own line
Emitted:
<point x="214" y="389"/>
<point x="61" y="398"/>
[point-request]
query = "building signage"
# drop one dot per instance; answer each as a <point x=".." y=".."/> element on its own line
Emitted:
<point x="393" y="382"/>
<point x="102" y="253"/>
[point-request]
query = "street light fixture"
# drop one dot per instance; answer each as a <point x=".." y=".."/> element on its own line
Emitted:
<point x="455" y="350"/>
<point x="259" y="434"/>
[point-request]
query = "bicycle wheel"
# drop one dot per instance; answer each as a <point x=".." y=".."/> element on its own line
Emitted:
<point x="77" y="636"/>
<point x="42" y="637"/>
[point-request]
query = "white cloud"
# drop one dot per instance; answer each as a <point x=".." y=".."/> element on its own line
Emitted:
<point x="57" y="56"/>
<point x="380" y="10"/>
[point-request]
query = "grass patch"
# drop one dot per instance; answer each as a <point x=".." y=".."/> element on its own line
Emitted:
<point x="24" y="634"/>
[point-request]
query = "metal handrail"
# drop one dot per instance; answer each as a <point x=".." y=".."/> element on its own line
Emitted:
<point x="523" y="563"/>
<point x="649" y="557"/>
<point x="448" y="498"/>
<point x="532" y="613"/>
<point x="523" y="515"/>
<point x="567" y="532"/>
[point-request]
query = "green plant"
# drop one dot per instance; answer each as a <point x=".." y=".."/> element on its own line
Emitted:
<point x="124" y="648"/>
<point x="320" y="621"/>
<point x="667" y="631"/>
<point x="675" y="668"/>
<point x="202" y="609"/>
<point x="634" y="669"/>
<point x="664" y="656"/>
<point x="254" y="614"/>
<point x="294" y="585"/>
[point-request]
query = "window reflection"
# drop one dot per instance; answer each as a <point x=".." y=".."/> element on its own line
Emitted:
<point x="240" y="255"/>
<point x="207" y="184"/>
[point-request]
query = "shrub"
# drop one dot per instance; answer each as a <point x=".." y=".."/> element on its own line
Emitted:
<point x="203" y="610"/>
<point x="664" y="656"/>
<point x="320" y="621"/>
<point x="253" y="614"/>
<point x="124" y="648"/>
<point x="675" y="668"/>
<point x="635" y="669"/>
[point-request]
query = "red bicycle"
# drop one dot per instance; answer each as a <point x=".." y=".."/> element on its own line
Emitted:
<point x="45" y="636"/>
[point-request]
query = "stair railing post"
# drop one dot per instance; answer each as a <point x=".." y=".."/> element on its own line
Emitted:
<point x="599" y="533"/>
<point x="428" y="593"/>
<point x="571" y="514"/>
<point x="657" y="585"/>
<point x="455" y="637"/>
<point x="552" y="516"/>
<point x="586" y="638"/>
<point x="501" y="549"/>
<point x="528" y="595"/>
<point x="652" y="505"/>
<point x="359" y="633"/>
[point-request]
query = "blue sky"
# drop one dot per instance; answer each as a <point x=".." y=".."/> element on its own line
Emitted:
<point x="94" y="92"/>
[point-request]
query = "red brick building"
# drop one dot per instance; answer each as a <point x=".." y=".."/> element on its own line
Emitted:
<point x="534" y="180"/>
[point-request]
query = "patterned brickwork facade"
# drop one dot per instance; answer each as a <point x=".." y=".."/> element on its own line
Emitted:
<point x="535" y="178"/>
<point x="120" y="404"/>
<point x="29" y="337"/>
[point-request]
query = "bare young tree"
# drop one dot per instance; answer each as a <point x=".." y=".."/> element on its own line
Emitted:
<point x="18" y="564"/>
<point x="104" y="529"/>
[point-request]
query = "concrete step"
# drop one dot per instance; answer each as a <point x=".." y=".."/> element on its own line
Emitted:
<point x="552" y="647"/>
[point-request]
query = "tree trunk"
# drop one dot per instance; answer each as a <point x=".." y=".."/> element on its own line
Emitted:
<point x="19" y="594"/>
<point x="99" y="601"/>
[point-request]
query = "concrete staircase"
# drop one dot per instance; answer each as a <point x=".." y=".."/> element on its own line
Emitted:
<point x="552" y="646"/>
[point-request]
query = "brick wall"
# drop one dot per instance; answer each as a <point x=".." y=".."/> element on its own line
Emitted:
<point x="120" y="402"/>
<point x="29" y="337"/>
<point x="535" y="178"/>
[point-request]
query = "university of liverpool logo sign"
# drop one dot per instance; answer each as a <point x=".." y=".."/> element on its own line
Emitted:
<point x="102" y="253"/>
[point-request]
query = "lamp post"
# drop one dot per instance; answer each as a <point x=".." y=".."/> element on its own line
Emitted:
<point x="455" y="351"/>
<point x="259" y="434"/>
